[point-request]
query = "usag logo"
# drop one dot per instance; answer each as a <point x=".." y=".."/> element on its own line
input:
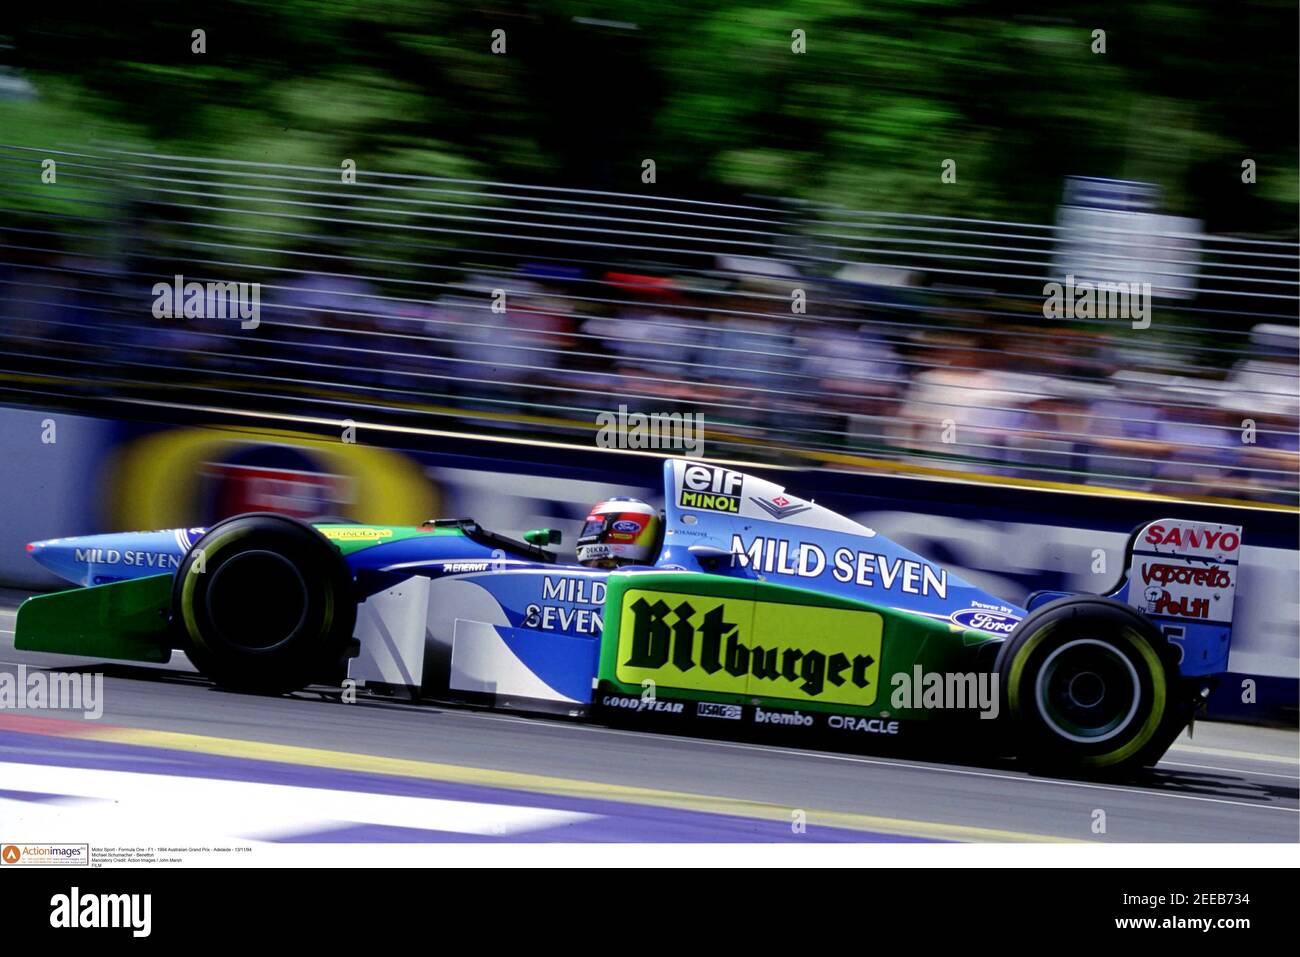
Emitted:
<point x="707" y="709"/>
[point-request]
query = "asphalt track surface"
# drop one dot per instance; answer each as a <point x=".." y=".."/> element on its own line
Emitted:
<point x="1229" y="783"/>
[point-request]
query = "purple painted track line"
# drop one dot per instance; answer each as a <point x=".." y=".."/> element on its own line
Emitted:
<point x="710" y="829"/>
<point x="618" y="821"/>
<point x="33" y="797"/>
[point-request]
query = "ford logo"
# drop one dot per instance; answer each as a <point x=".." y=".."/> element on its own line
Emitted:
<point x="985" y="621"/>
<point x="626" y="525"/>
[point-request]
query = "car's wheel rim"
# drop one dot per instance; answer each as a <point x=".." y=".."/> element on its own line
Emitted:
<point x="1088" y="691"/>
<point x="256" y="600"/>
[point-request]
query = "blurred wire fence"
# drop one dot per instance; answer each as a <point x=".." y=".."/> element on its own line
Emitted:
<point x="870" y="340"/>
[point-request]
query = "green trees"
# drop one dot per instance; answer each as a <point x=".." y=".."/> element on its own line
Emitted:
<point x="881" y="94"/>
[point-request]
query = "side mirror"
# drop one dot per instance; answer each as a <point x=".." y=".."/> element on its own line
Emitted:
<point x="542" y="537"/>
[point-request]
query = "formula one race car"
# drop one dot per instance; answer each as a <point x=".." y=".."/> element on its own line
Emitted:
<point x="762" y="609"/>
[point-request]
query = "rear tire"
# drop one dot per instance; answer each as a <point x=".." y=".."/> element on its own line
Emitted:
<point x="264" y="603"/>
<point x="1089" y="686"/>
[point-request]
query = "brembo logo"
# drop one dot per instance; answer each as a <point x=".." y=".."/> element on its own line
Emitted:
<point x="792" y="719"/>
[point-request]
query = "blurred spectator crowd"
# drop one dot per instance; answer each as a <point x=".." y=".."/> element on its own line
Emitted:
<point x="859" y="369"/>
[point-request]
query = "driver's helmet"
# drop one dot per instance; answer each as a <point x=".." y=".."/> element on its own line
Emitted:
<point x="619" y="531"/>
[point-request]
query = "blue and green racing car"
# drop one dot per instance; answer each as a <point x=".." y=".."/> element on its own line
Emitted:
<point x="754" y="611"/>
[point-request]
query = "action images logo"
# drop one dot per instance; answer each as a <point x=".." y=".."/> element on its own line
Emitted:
<point x="36" y="855"/>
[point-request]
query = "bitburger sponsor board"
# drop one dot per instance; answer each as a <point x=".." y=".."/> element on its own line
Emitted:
<point x="763" y="649"/>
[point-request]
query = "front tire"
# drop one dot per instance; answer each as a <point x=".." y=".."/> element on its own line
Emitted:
<point x="1089" y="686"/>
<point x="264" y="603"/>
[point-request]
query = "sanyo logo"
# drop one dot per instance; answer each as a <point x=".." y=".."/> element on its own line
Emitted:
<point x="73" y="910"/>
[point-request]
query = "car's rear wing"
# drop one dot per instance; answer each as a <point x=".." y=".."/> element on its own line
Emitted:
<point x="1183" y="575"/>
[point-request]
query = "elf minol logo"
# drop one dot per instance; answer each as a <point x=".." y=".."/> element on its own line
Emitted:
<point x="77" y="910"/>
<point x="711" y="489"/>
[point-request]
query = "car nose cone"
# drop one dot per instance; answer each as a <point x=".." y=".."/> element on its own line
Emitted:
<point x="100" y="559"/>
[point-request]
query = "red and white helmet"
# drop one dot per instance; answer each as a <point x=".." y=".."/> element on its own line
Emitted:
<point x="620" y="531"/>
